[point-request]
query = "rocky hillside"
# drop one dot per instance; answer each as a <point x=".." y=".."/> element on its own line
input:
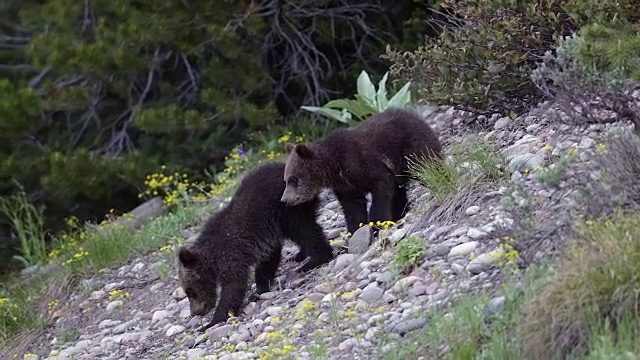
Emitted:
<point x="370" y="299"/>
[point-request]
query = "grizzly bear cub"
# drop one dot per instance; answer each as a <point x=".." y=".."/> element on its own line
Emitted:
<point x="371" y="158"/>
<point x="248" y="232"/>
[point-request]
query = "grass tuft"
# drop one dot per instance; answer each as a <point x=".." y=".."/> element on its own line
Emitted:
<point x="473" y="165"/>
<point x="593" y="301"/>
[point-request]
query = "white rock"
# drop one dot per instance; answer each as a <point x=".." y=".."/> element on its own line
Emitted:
<point x="159" y="315"/>
<point x="398" y="235"/>
<point x="174" y="330"/>
<point x="343" y="261"/>
<point x="472" y="210"/>
<point x="179" y="294"/>
<point x="501" y="123"/>
<point x="476" y="234"/>
<point x="114" y="305"/>
<point x="463" y="249"/>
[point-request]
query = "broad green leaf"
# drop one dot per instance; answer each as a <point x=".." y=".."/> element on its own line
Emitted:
<point x="402" y="97"/>
<point x="366" y="89"/>
<point x="330" y="113"/>
<point x="359" y="108"/>
<point x="381" y="95"/>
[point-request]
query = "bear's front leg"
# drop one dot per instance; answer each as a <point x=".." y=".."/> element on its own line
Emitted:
<point x="382" y="197"/>
<point x="231" y="299"/>
<point x="354" y="206"/>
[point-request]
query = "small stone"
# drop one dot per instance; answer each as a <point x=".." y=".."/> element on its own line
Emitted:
<point x="202" y="338"/>
<point x="138" y="267"/>
<point x="409" y="325"/>
<point x="398" y="235"/>
<point x="441" y="249"/>
<point x="457" y="269"/>
<point x="114" y="305"/>
<point x="501" y="123"/>
<point x="495" y="305"/>
<point x="120" y="329"/>
<point x="472" y="210"/>
<point x="404" y="283"/>
<point x="220" y="332"/>
<point x="323" y="288"/>
<point x="525" y="161"/>
<point x="96" y="295"/>
<point x="343" y="261"/>
<point x="108" y="323"/>
<point x="269" y="295"/>
<point x="81" y="345"/>
<point x="274" y="311"/>
<point x="347" y="345"/>
<point x="179" y="294"/>
<point x="193" y="354"/>
<point x="463" y="249"/>
<point x="130" y="337"/>
<point x="484" y="262"/>
<point x="385" y="277"/>
<point x="517" y="150"/>
<point x="476" y="234"/>
<point x="371" y="293"/>
<point x="586" y="143"/>
<point x="360" y="240"/>
<point x="174" y="330"/>
<point x="370" y="334"/>
<point x="533" y="127"/>
<point x="458" y="232"/>
<point x="159" y="315"/>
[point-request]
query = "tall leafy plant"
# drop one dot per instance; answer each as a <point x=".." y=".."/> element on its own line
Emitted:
<point x="367" y="101"/>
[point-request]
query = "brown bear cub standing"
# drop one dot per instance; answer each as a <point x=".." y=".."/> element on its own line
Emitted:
<point x="248" y="232"/>
<point x="371" y="158"/>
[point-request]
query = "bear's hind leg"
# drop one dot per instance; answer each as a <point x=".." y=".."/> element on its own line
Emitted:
<point x="354" y="206"/>
<point x="382" y="201"/>
<point x="400" y="202"/>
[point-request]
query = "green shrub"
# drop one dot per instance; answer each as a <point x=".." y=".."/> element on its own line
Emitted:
<point x="594" y="290"/>
<point x="483" y="64"/>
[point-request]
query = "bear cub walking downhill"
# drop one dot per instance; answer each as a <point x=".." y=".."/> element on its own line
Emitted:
<point x="248" y="232"/>
<point x="371" y="158"/>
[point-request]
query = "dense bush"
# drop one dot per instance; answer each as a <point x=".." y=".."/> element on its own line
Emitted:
<point x="483" y="60"/>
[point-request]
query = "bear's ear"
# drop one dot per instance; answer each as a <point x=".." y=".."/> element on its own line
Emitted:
<point x="288" y="148"/>
<point x="187" y="257"/>
<point x="303" y="151"/>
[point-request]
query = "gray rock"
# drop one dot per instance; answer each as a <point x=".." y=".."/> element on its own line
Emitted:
<point x="360" y="240"/>
<point x="175" y="329"/>
<point x="525" y="161"/>
<point x="371" y="293"/>
<point x="476" y="234"/>
<point x="398" y="235"/>
<point x="463" y="249"/>
<point x="343" y="261"/>
<point x="130" y="337"/>
<point x="347" y="345"/>
<point x="441" y="249"/>
<point x="408" y="325"/>
<point x="483" y="262"/>
<point x="193" y="354"/>
<point x="108" y="323"/>
<point x="495" y="305"/>
<point x="220" y="332"/>
<point x="120" y="329"/>
<point x="114" y="305"/>
<point x="502" y="123"/>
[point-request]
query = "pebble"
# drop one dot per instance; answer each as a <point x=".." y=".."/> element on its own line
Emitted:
<point x="463" y="249"/>
<point x="371" y="293"/>
<point x="174" y="330"/>
<point x="114" y="305"/>
<point x="360" y="240"/>
<point x="343" y="261"/>
<point x="472" y="210"/>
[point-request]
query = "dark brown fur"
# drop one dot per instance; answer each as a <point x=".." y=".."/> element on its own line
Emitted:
<point x="371" y="158"/>
<point x="248" y="232"/>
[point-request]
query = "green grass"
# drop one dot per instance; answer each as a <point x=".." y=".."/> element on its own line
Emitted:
<point x="597" y="283"/>
<point x="472" y="162"/>
<point x="26" y="220"/>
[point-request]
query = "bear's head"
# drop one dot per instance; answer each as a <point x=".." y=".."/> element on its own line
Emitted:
<point x="303" y="174"/>
<point x="198" y="279"/>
